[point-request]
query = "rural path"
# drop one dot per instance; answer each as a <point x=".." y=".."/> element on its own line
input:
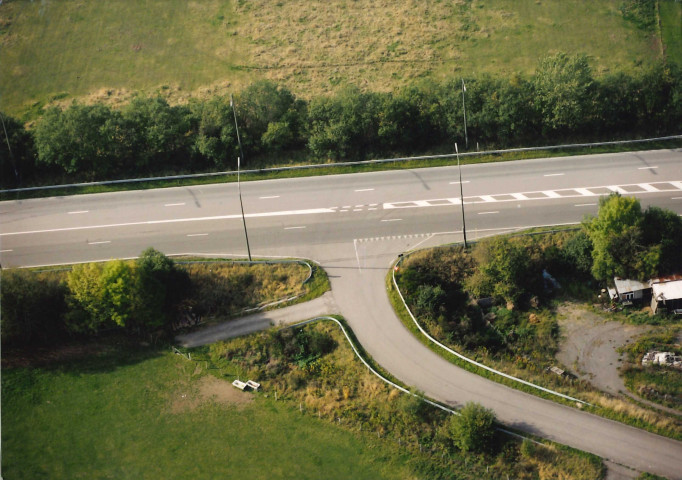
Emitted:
<point x="323" y="305"/>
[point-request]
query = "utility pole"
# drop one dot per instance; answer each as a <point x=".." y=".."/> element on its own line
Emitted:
<point x="239" y="187"/>
<point x="461" y="197"/>
<point x="464" y="110"/>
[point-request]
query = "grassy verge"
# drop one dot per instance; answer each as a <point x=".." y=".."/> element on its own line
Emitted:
<point x="616" y="409"/>
<point x="671" y="29"/>
<point x="321" y="168"/>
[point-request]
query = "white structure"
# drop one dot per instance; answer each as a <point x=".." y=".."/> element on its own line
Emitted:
<point x="666" y="293"/>
<point x="628" y="291"/>
<point x="662" y="358"/>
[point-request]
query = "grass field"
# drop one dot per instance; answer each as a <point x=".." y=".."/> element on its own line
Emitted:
<point x="107" y="50"/>
<point x="135" y="414"/>
<point x="671" y="29"/>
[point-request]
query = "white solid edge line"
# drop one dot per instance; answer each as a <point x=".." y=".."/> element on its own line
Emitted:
<point x="268" y="197"/>
<point x="176" y="220"/>
<point x="8" y="250"/>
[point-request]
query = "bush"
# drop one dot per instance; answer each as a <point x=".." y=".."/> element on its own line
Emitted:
<point x="474" y="429"/>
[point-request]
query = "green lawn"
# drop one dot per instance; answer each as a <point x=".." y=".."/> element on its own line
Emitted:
<point x="122" y="416"/>
<point x="55" y="51"/>
<point x="671" y="29"/>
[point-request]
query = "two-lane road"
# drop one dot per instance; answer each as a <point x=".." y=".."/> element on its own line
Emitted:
<point x="355" y="225"/>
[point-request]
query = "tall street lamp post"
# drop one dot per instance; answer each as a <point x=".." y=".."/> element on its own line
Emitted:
<point x="239" y="187"/>
<point x="461" y="197"/>
<point x="464" y="110"/>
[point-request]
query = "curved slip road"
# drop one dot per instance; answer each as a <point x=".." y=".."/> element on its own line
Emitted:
<point x="355" y="225"/>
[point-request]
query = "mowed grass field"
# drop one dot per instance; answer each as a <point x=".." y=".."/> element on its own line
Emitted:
<point x="59" y="50"/>
<point x="147" y="415"/>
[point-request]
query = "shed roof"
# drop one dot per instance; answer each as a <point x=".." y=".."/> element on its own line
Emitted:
<point x="670" y="290"/>
<point x="624" y="285"/>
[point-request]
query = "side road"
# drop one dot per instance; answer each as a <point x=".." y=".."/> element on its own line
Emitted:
<point x="320" y="306"/>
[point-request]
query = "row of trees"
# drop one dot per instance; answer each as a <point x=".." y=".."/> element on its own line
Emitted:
<point x="563" y="100"/>
<point x="140" y="297"/>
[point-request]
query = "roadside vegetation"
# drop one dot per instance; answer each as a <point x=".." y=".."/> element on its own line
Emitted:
<point x="562" y="102"/>
<point x="150" y="298"/>
<point x="89" y="412"/>
<point x="656" y="383"/>
<point x="496" y="302"/>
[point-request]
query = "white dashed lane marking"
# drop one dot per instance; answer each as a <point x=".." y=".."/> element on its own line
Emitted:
<point x="364" y="190"/>
<point x="174" y="204"/>
<point x="99" y="243"/>
<point x="647" y="168"/>
<point x="393" y="220"/>
<point x="8" y="250"/>
<point x="488" y="213"/>
<point x="554" y="175"/>
<point x="586" y="204"/>
<point x="268" y="197"/>
<point x="294" y="228"/>
<point x="197" y="234"/>
<point x="76" y="212"/>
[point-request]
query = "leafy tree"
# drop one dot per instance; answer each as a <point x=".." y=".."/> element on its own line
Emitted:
<point x="663" y="228"/>
<point x="163" y="132"/>
<point x="474" y="429"/>
<point x="86" y="313"/>
<point x="345" y="126"/>
<point x="216" y="138"/>
<point x="270" y="116"/>
<point x="506" y="270"/>
<point x="80" y="139"/>
<point x="17" y="153"/>
<point x="160" y="287"/>
<point x="577" y="252"/>
<point x="117" y="292"/>
<point x="616" y="237"/>
<point x="563" y="87"/>
<point x="32" y="306"/>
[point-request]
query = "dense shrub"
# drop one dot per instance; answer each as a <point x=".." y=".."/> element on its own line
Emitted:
<point x="562" y="101"/>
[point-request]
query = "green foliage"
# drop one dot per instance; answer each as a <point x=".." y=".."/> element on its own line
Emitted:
<point x="117" y="292"/>
<point x="577" y="252"/>
<point x="563" y="88"/>
<point x="630" y="243"/>
<point x="17" y="155"/>
<point x="161" y="287"/>
<point x="474" y="429"/>
<point x="506" y="270"/>
<point x="216" y="138"/>
<point x="86" y="312"/>
<point x="640" y="12"/>
<point x="32" y="305"/>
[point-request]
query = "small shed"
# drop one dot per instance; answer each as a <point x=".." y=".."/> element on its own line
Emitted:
<point x="666" y="293"/>
<point x="630" y="291"/>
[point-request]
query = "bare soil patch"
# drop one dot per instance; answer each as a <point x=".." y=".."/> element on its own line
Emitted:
<point x="589" y="347"/>
<point x="208" y="389"/>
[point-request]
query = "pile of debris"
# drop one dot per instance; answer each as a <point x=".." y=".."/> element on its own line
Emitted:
<point x="668" y="359"/>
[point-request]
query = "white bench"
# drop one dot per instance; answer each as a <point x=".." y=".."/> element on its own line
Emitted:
<point x="239" y="384"/>
<point x="253" y="385"/>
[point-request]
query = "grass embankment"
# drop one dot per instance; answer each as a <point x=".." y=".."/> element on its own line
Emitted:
<point x="134" y="412"/>
<point x="529" y="359"/>
<point x="671" y="29"/>
<point x="107" y="51"/>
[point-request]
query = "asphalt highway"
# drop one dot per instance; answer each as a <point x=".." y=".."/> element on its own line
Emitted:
<point x="355" y="225"/>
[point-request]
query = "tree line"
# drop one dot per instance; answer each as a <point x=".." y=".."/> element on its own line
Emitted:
<point x="562" y="101"/>
<point x="139" y="298"/>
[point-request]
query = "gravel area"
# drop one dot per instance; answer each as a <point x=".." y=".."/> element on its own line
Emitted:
<point x="589" y="346"/>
